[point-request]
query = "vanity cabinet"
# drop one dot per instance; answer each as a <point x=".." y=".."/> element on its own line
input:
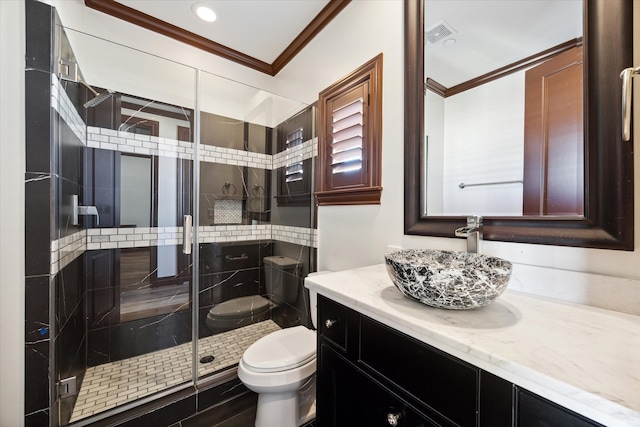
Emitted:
<point x="372" y="375"/>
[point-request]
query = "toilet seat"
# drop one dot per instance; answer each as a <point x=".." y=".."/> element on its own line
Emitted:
<point x="279" y="351"/>
<point x="240" y="307"/>
<point x="238" y="312"/>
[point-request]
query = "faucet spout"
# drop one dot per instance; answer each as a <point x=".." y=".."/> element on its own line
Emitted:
<point x="473" y="233"/>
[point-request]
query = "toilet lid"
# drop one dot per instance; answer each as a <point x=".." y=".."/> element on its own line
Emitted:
<point x="282" y="350"/>
<point x="241" y="307"/>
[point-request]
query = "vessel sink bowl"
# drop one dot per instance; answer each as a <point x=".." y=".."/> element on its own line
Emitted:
<point x="448" y="279"/>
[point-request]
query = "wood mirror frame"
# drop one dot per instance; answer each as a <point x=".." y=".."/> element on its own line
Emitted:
<point x="608" y="220"/>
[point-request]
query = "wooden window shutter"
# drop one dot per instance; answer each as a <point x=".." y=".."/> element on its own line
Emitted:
<point x="349" y="138"/>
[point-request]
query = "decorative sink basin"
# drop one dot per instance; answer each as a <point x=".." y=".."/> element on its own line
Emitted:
<point x="448" y="279"/>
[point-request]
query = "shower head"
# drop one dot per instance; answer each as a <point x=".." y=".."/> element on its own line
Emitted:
<point x="98" y="99"/>
<point x="68" y="70"/>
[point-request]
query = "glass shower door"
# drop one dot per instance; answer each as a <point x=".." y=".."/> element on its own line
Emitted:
<point x="123" y="306"/>
<point x="135" y="317"/>
<point x="237" y="135"/>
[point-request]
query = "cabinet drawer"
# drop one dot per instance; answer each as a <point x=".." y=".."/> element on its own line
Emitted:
<point x="332" y="323"/>
<point x="443" y="383"/>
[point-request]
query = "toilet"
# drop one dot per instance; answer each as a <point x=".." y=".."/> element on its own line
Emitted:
<point x="281" y="280"/>
<point x="281" y="368"/>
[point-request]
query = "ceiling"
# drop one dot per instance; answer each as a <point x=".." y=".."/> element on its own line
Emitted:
<point x="266" y="34"/>
<point x="491" y="34"/>
<point x="261" y="34"/>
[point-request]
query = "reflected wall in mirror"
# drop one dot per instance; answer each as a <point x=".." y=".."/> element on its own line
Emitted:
<point x="596" y="216"/>
<point x="496" y="147"/>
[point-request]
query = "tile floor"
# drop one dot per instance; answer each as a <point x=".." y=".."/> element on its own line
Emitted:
<point x="112" y="384"/>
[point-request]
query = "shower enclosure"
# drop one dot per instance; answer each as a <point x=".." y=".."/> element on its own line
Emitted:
<point x="160" y="146"/>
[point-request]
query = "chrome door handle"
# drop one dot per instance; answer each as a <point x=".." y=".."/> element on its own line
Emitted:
<point x="626" y="75"/>
<point x="187" y="228"/>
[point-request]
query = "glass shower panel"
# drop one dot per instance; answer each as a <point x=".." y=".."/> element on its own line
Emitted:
<point x="125" y="148"/>
<point x="238" y="135"/>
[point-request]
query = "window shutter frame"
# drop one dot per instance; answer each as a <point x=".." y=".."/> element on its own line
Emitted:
<point x="363" y="185"/>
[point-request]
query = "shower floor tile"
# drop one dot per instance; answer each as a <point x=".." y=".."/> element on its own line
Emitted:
<point x="112" y="384"/>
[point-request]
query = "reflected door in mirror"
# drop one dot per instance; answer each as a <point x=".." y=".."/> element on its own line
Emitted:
<point x="554" y="147"/>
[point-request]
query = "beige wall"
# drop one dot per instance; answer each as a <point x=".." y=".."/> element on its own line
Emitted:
<point x="12" y="167"/>
<point x="356" y="236"/>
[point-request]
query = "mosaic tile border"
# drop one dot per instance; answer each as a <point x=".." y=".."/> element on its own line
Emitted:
<point x="232" y="233"/>
<point x="125" y="142"/>
<point x="67" y="249"/>
<point x="304" y="151"/>
<point x="299" y="235"/>
<point x="230" y="156"/>
<point x="62" y="104"/>
<point x="112" y="238"/>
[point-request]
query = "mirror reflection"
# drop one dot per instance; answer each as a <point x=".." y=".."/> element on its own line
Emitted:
<point x="503" y="108"/>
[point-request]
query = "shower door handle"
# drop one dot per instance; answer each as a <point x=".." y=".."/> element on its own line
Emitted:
<point x="627" y="75"/>
<point x="187" y="228"/>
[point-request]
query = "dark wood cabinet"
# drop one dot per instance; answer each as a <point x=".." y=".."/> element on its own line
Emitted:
<point x="372" y="375"/>
<point x="352" y="398"/>
<point x="534" y="411"/>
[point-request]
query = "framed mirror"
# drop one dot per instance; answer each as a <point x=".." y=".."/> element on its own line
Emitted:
<point x="606" y="220"/>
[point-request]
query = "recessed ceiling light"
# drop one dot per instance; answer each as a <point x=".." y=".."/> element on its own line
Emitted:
<point x="204" y="12"/>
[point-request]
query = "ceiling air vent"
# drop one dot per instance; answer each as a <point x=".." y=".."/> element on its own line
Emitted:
<point x="438" y="32"/>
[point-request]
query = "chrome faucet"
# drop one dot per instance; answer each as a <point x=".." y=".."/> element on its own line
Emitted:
<point x="473" y="233"/>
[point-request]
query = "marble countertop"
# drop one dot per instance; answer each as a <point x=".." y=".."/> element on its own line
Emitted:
<point x="583" y="358"/>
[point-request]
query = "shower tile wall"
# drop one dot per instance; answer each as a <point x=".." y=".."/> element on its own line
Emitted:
<point x="54" y="292"/>
<point x="70" y="271"/>
<point x="293" y="215"/>
<point x="52" y="171"/>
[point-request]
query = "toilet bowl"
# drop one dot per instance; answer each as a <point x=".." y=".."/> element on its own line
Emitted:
<point x="281" y="368"/>
<point x="276" y="367"/>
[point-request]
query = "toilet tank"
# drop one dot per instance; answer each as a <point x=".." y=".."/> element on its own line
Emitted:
<point x="282" y="278"/>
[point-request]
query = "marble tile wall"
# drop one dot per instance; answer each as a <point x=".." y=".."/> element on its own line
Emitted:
<point x="40" y="227"/>
<point x="56" y="296"/>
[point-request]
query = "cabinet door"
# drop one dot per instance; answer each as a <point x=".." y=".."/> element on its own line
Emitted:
<point x="534" y="411"/>
<point x="444" y="384"/>
<point x="346" y="397"/>
<point x="333" y="322"/>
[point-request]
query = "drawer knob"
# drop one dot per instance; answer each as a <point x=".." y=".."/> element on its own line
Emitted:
<point x="330" y="323"/>
<point x="393" y="418"/>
